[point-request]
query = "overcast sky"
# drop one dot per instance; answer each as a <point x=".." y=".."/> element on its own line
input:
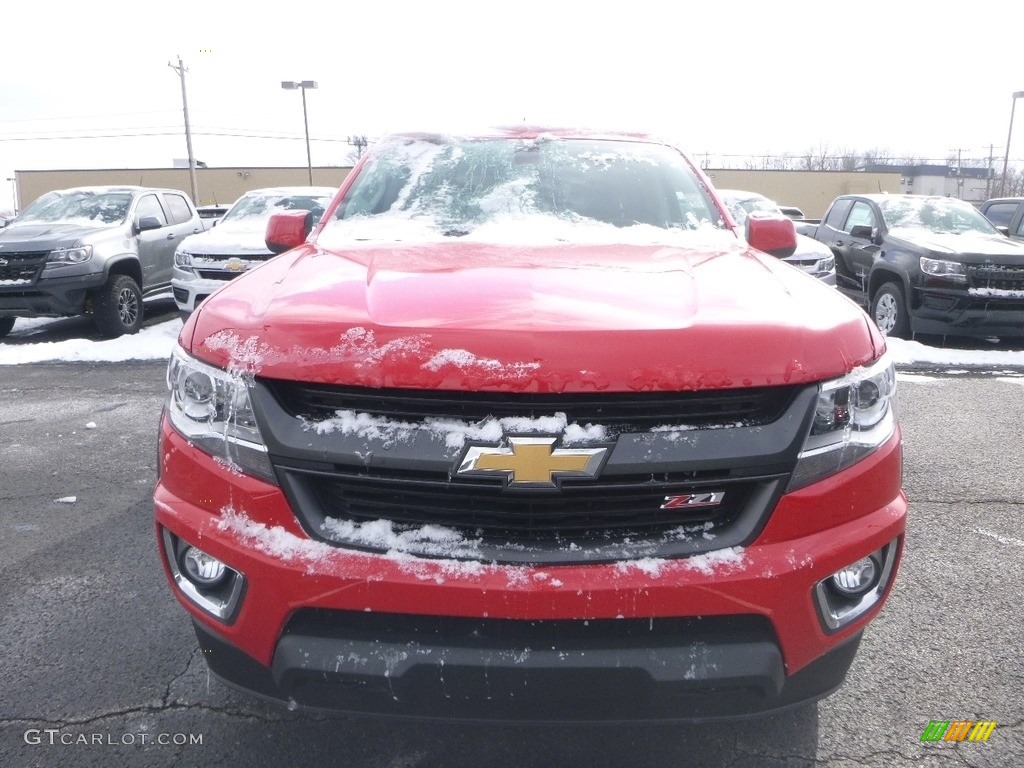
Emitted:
<point x="726" y="79"/>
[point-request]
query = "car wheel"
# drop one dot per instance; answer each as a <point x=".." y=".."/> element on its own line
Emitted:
<point x="889" y="311"/>
<point x="6" y="323"/>
<point x="117" y="306"/>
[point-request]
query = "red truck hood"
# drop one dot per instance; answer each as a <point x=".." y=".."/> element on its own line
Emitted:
<point x="464" y="315"/>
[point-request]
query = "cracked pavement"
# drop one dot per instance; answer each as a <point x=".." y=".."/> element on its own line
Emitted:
<point x="96" y="647"/>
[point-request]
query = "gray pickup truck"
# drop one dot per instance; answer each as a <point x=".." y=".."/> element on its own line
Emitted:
<point x="92" y="250"/>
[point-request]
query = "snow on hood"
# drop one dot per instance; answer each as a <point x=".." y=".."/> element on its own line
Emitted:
<point x="245" y="236"/>
<point x="967" y="244"/>
<point x="478" y="315"/>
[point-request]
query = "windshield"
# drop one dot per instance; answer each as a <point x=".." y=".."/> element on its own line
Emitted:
<point x="934" y="214"/>
<point x="453" y="187"/>
<point x="79" y="206"/>
<point x="255" y="208"/>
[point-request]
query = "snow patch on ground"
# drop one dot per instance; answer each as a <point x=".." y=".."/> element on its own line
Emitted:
<point x="913" y="378"/>
<point x="67" y="500"/>
<point x="153" y="343"/>
<point x="905" y="352"/>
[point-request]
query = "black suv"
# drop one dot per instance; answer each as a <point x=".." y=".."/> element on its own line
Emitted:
<point x="926" y="265"/>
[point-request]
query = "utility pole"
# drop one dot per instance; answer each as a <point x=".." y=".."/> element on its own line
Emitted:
<point x="180" y="69"/>
<point x="359" y="142"/>
<point x="959" y="173"/>
<point x="988" y="179"/>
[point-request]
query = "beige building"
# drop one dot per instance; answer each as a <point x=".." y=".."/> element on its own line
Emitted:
<point x="216" y="185"/>
<point x="811" y="191"/>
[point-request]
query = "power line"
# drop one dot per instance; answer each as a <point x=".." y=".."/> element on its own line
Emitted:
<point x="86" y="117"/>
<point x="171" y="133"/>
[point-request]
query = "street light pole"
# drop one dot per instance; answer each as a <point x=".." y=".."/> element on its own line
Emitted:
<point x="1009" y="135"/>
<point x="180" y="69"/>
<point x="14" y="192"/>
<point x="291" y="85"/>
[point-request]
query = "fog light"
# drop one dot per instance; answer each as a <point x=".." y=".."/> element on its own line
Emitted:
<point x="201" y="568"/>
<point x="857" y="578"/>
<point x="849" y="593"/>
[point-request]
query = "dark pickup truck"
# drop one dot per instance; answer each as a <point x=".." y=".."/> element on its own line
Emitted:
<point x="1007" y="214"/>
<point x="923" y="264"/>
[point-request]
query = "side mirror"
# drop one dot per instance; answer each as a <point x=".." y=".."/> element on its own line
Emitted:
<point x="774" y="235"/>
<point x="1004" y="230"/>
<point x="215" y="223"/>
<point x="288" y="230"/>
<point x="147" y="223"/>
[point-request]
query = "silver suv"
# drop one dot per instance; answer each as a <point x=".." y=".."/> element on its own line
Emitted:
<point x="92" y="250"/>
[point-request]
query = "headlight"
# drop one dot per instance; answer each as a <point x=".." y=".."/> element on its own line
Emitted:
<point x="950" y="270"/>
<point x="854" y="415"/>
<point x="183" y="260"/>
<point x="70" y="255"/>
<point x="211" y="409"/>
<point x="827" y="264"/>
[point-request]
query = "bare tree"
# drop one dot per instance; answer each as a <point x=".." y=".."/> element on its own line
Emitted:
<point x="876" y="156"/>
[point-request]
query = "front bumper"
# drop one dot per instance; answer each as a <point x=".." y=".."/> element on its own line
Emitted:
<point x="514" y="670"/>
<point x="953" y="312"/>
<point x="49" y="296"/>
<point x="708" y="636"/>
<point x="190" y="290"/>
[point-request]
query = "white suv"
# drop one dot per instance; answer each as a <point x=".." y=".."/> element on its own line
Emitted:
<point x="204" y="262"/>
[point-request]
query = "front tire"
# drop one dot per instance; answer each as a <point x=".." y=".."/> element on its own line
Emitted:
<point x="6" y="324"/>
<point x="117" y="306"/>
<point x="889" y="311"/>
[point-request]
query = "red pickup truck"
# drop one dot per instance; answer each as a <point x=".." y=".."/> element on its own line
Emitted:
<point x="523" y="430"/>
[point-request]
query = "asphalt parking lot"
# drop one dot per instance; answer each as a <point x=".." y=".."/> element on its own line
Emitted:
<point x="101" y="667"/>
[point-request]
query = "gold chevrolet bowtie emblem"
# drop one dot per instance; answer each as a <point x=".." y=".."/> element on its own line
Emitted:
<point x="532" y="461"/>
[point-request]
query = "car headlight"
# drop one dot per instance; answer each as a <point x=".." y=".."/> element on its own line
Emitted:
<point x="950" y="270"/>
<point x="183" y="260"/>
<point x="211" y="409"/>
<point x="827" y="264"/>
<point x="69" y="255"/>
<point x="854" y="415"/>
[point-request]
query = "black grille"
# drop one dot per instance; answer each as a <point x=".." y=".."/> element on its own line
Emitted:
<point x="1006" y="278"/>
<point x="617" y="514"/>
<point x="217" y="274"/>
<point x="21" y="266"/>
<point x="618" y="412"/>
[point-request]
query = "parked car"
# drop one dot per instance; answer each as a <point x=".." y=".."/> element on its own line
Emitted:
<point x="523" y="430"/>
<point x="1006" y="214"/>
<point x="92" y="250"/>
<point x="810" y="255"/>
<point x="926" y="265"/>
<point x="204" y="262"/>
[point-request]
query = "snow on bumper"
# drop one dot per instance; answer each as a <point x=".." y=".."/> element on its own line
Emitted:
<point x="291" y="580"/>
